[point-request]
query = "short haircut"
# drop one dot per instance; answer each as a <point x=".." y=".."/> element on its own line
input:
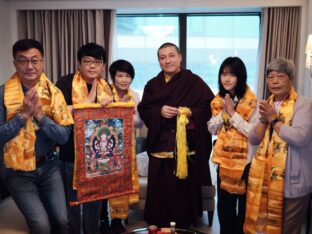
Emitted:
<point x="236" y="66"/>
<point x="26" y="44"/>
<point x="122" y="66"/>
<point x="283" y="65"/>
<point x="168" y="44"/>
<point x="93" y="50"/>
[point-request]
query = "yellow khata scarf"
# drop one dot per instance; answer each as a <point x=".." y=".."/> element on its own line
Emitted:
<point x="117" y="98"/>
<point x="80" y="89"/>
<point x="19" y="153"/>
<point x="119" y="206"/>
<point x="264" y="209"/>
<point x="182" y="148"/>
<point x="230" y="150"/>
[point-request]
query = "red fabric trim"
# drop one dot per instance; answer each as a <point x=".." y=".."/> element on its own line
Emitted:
<point x="110" y="173"/>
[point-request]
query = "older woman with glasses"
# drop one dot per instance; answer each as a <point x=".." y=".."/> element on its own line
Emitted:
<point x="280" y="177"/>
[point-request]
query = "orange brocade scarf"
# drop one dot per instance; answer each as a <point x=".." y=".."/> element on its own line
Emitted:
<point x="19" y="153"/>
<point x="230" y="150"/>
<point x="118" y="99"/>
<point x="119" y="206"/>
<point x="80" y="89"/>
<point x="264" y="207"/>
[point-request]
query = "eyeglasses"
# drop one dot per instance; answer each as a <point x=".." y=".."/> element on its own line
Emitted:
<point x="89" y="62"/>
<point x="279" y="77"/>
<point x="24" y="62"/>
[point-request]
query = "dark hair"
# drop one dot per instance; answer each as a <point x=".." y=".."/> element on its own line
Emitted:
<point x="168" y="44"/>
<point x="236" y="66"/>
<point x="93" y="50"/>
<point x="26" y="44"/>
<point x="122" y="66"/>
<point x="283" y="65"/>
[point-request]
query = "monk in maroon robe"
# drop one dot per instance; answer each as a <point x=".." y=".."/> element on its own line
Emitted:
<point x="170" y="198"/>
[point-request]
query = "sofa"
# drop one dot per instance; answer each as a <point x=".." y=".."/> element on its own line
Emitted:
<point x="208" y="192"/>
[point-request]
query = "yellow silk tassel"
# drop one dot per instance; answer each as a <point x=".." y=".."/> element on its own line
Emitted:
<point x="182" y="148"/>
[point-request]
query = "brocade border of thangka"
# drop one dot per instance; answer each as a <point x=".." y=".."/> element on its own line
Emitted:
<point x="103" y="147"/>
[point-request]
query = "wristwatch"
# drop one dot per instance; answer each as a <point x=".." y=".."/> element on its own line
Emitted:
<point x="274" y="121"/>
<point x="263" y="121"/>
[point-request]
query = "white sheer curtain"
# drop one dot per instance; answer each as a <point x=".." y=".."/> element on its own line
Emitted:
<point x="62" y="32"/>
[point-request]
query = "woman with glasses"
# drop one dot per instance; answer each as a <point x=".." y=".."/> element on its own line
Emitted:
<point x="233" y="114"/>
<point x="280" y="178"/>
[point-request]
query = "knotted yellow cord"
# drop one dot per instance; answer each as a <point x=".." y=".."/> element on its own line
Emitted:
<point x="182" y="148"/>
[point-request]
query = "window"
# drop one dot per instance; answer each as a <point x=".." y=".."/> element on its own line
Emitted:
<point x="209" y="40"/>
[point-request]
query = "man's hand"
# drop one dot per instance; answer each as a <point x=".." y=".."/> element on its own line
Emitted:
<point x="92" y="95"/>
<point x="107" y="100"/>
<point x="28" y="104"/>
<point x="37" y="113"/>
<point x="229" y="105"/>
<point x="169" y="111"/>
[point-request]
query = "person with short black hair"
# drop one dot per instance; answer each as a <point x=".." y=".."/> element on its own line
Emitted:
<point x="34" y="119"/>
<point x="87" y="85"/>
<point x="122" y="74"/>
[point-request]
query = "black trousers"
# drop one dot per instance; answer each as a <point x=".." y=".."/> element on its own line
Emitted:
<point x="231" y="210"/>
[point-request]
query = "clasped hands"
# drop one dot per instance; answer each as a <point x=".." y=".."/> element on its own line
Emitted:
<point x="267" y="111"/>
<point x="92" y="95"/>
<point x="228" y="106"/>
<point x="169" y="112"/>
<point x="32" y="105"/>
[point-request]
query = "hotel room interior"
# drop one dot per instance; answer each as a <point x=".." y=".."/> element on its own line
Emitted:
<point x="126" y="27"/>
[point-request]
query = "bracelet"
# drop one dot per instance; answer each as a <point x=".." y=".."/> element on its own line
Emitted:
<point x="263" y="121"/>
<point x="21" y="116"/>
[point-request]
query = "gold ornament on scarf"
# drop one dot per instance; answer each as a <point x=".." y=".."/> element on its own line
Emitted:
<point x="226" y="120"/>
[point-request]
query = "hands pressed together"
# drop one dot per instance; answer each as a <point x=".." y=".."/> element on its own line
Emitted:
<point x="228" y="105"/>
<point x="32" y="105"/>
<point x="267" y="111"/>
<point x="92" y="95"/>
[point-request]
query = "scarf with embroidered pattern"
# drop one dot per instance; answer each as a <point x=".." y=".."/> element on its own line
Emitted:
<point x="118" y="99"/>
<point x="119" y="206"/>
<point x="80" y="89"/>
<point x="264" y="207"/>
<point x="230" y="150"/>
<point x="19" y="153"/>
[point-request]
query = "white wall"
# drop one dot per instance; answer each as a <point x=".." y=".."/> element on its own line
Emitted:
<point x="9" y="8"/>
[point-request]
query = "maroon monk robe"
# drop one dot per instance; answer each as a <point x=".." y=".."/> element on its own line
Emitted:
<point x="185" y="89"/>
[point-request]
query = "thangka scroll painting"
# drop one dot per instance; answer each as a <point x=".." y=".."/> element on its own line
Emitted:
<point x="103" y="148"/>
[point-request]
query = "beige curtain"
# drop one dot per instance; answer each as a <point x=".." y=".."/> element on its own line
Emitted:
<point x="62" y="32"/>
<point x="281" y="33"/>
